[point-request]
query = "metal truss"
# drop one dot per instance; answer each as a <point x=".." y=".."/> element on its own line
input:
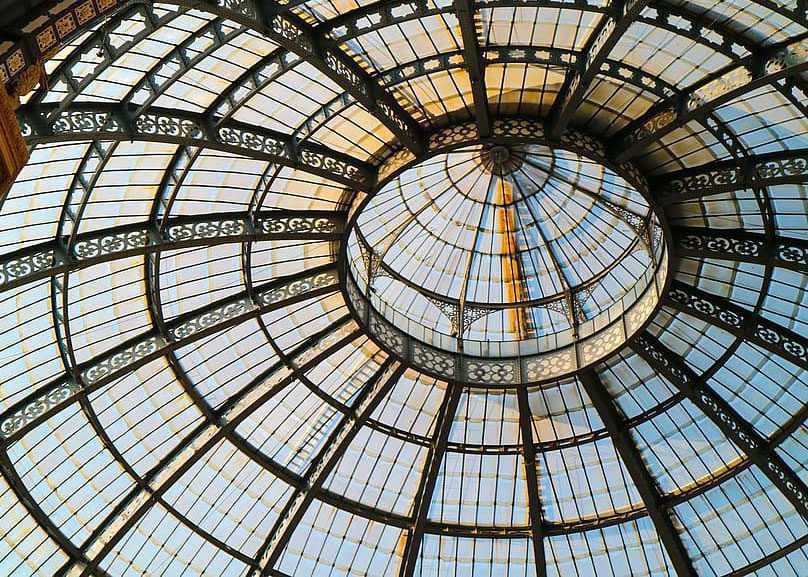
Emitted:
<point x="786" y="167"/>
<point x="377" y="15"/>
<point x="334" y="448"/>
<point x="741" y="322"/>
<point x="52" y="258"/>
<point x="474" y="64"/>
<point x="206" y="435"/>
<point x="40" y="405"/>
<point x="759" y="450"/>
<point x="643" y="481"/>
<point x="787" y="60"/>
<point x="98" y="121"/>
<point x="537" y="528"/>
<point x="601" y="42"/>
<point x="741" y="245"/>
<point x="296" y="35"/>
<point x="429" y="478"/>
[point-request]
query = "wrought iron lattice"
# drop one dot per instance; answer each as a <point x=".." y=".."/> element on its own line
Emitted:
<point x="330" y="45"/>
<point x="114" y="122"/>
<point x="601" y="42"/>
<point x="787" y="167"/>
<point x="736" y="428"/>
<point x="50" y="259"/>
<point x="740" y="321"/>
<point x="741" y="245"/>
<point x="789" y="59"/>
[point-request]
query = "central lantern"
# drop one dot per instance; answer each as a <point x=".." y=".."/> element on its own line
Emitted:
<point x="504" y="263"/>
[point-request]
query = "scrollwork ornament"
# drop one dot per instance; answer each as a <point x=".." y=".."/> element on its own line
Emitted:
<point x="121" y="359"/>
<point x="38" y="407"/>
<point x="297" y="287"/>
<point x="168" y="126"/>
<point x="209" y="319"/>
<point x="792" y="253"/>
<point x="787" y="483"/>
<point x="796" y="166"/>
<point x="27" y="265"/>
<point x="110" y="244"/>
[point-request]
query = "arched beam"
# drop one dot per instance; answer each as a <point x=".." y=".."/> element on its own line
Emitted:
<point x="737" y="429"/>
<point x="49" y="259"/>
<point x="770" y="169"/>
<point x="338" y="442"/>
<point x="789" y="59"/>
<point x="739" y="321"/>
<point x="205" y="436"/>
<point x="537" y="526"/>
<point x="474" y="64"/>
<point x="643" y="481"/>
<point x="741" y="245"/>
<point x="99" y="121"/>
<point x="600" y="43"/>
<point x="288" y="30"/>
<point x="40" y="405"/>
<point x="429" y="478"/>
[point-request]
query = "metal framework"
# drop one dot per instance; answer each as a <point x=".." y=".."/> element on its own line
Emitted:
<point x="205" y="436"/>
<point x="786" y="167"/>
<point x="321" y="46"/>
<point x="52" y="258"/>
<point x="645" y="484"/>
<point x="759" y="450"/>
<point x="787" y="60"/>
<point x="136" y="352"/>
<point x="115" y="122"/>
<point x="366" y="402"/>
<point x="474" y="64"/>
<point x="739" y="321"/>
<point x="537" y="527"/>
<point x="741" y="245"/>
<point x="601" y="42"/>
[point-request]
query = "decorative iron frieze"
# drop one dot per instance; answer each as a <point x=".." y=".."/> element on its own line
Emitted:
<point x="114" y="122"/>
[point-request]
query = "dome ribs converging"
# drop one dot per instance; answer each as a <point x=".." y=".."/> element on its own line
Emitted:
<point x="405" y="287"/>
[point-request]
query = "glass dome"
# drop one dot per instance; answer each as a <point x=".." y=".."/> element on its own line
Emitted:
<point x="421" y="289"/>
<point x="497" y="251"/>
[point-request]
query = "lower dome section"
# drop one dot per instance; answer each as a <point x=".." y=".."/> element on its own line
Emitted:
<point x="504" y="263"/>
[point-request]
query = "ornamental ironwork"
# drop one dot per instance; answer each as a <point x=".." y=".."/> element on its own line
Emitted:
<point x="112" y="122"/>
<point x="181" y="332"/>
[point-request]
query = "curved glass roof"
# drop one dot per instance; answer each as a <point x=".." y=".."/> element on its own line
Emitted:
<point x="511" y="240"/>
<point x="198" y="379"/>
